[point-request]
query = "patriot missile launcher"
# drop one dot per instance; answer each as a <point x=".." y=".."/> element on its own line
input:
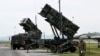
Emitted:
<point x="31" y="32"/>
<point x="67" y="28"/>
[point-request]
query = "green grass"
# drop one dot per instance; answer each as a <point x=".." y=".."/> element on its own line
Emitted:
<point x="92" y="50"/>
<point x="4" y="42"/>
<point x="7" y="43"/>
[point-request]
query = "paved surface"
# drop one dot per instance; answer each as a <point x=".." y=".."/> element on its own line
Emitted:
<point x="6" y="51"/>
<point x="37" y="52"/>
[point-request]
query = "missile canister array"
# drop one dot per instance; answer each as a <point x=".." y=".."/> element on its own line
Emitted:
<point x="59" y="21"/>
<point x="31" y="28"/>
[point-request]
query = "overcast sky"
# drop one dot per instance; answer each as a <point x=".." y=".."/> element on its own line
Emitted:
<point x="86" y="14"/>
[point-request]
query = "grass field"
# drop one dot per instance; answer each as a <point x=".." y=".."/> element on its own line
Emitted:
<point x="92" y="50"/>
<point x="7" y="43"/>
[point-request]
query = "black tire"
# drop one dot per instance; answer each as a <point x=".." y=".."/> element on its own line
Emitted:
<point x="72" y="49"/>
<point x="13" y="47"/>
<point x="59" y="50"/>
<point x="53" y="49"/>
<point x="18" y="47"/>
<point x="24" y="47"/>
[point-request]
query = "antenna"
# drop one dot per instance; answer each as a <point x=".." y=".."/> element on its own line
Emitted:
<point x="35" y="13"/>
<point x="35" y="20"/>
<point x="59" y="6"/>
<point x="60" y="16"/>
<point x="14" y="29"/>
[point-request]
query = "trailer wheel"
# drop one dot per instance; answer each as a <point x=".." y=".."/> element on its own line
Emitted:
<point x="59" y="50"/>
<point x="18" y="47"/>
<point x="13" y="47"/>
<point x="53" y="49"/>
<point x="72" y="49"/>
<point x="25" y="47"/>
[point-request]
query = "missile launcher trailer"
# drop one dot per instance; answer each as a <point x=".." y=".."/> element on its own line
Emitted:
<point x="59" y="22"/>
<point x="31" y="32"/>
